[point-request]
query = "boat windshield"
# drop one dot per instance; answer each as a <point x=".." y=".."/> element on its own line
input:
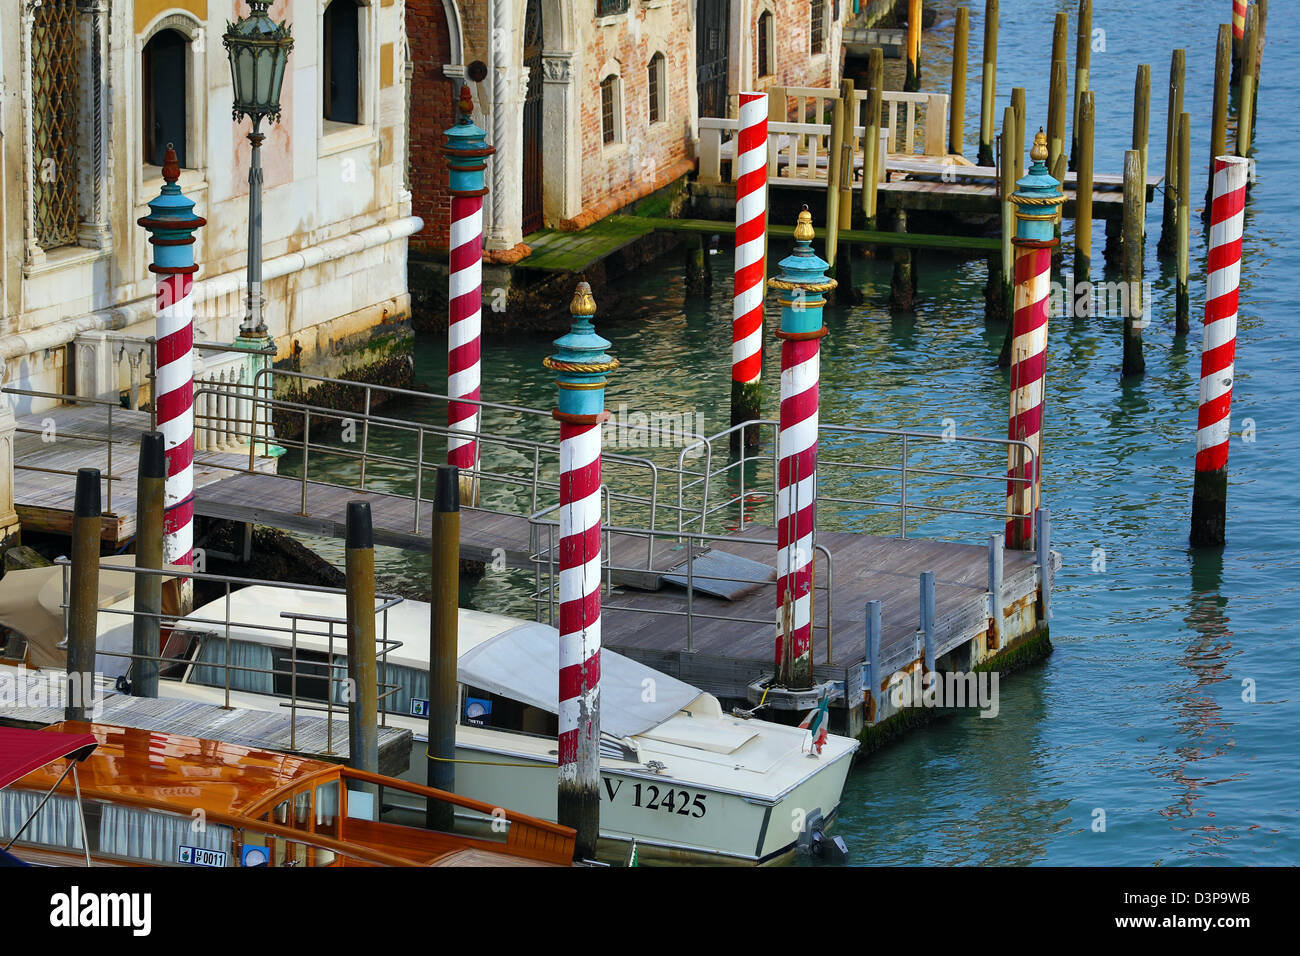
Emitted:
<point x="520" y="664"/>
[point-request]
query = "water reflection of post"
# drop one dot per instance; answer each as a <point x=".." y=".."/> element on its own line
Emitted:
<point x="1206" y="656"/>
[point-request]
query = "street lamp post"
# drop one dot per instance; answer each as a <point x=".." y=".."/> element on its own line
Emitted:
<point x="258" y="49"/>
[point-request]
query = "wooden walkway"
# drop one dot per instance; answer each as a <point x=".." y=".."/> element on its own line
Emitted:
<point x="730" y="641"/>
<point x="728" y="651"/>
<point x="63" y="439"/>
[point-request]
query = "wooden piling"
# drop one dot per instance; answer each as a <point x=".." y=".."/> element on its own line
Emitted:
<point x="902" y="287"/>
<point x="363" y="676"/>
<point x="1142" y="123"/>
<point x="1246" y="96"/>
<point x="1082" y="64"/>
<point x="1181" y="307"/>
<point x="957" y="102"/>
<point x="912" y="81"/>
<point x="151" y="483"/>
<point x="1083" y="200"/>
<point x="1018" y="102"/>
<point x="988" y="83"/>
<point x="698" y="276"/>
<point x="1006" y="186"/>
<point x="871" y="145"/>
<point x="1169" y="222"/>
<point x="1134" y="214"/>
<point x="849" y="120"/>
<point x="1219" y="109"/>
<point x="1056" y="160"/>
<point x="444" y="619"/>
<point x="1058" y="90"/>
<point x="833" y="159"/>
<point x="83" y="596"/>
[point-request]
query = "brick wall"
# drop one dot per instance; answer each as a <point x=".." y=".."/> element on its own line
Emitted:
<point x="432" y="111"/>
<point x="608" y="170"/>
<point x="795" y="65"/>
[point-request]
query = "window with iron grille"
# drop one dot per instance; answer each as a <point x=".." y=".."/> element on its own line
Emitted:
<point x="818" y="26"/>
<point x="609" y="8"/>
<point x="54" y="123"/>
<point x="656" y="85"/>
<point x="607" y="130"/>
<point x="764" y="54"/>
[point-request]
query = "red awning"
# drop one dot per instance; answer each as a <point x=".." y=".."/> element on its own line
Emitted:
<point x="22" y="751"/>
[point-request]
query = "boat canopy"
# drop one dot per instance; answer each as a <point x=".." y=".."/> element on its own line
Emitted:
<point x="521" y="664"/>
<point x="22" y="751"/>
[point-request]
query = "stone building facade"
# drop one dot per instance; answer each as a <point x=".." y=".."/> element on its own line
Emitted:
<point x="593" y="104"/>
<point x="93" y="91"/>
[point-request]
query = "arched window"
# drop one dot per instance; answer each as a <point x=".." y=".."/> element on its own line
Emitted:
<point x="817" y="28"/>
<point x="766" y="66"/>
<point x="611" y="109"/>
<point x="164" y="93"/>
<point x="342" y="65"/>
<point x="656" y="85"/>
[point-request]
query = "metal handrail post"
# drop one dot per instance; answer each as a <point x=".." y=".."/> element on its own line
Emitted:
<point x="419" y="476"/>
<point x="306" y="450"/>
<point x="365" y="439"/>
<point x="902" y="501"/>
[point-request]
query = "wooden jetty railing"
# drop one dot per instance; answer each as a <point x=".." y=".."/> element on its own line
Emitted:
<point x="912" y="124"/>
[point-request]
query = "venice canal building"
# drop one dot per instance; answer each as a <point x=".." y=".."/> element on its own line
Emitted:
<point x="93" y="91"/>
<point x="591" y="104"/>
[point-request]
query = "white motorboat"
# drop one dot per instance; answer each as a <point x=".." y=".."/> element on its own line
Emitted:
<point x="684" y="780"/>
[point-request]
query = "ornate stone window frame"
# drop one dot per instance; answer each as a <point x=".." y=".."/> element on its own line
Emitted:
<point x="94" y="236"/>
<point x="194" y="177"/>
<point x="332" y="137"/>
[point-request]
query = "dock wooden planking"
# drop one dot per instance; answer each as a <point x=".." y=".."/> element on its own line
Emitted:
<point x="277" y="500"/>
<point x="730" y="651"/>
<point x="63" y="439"/>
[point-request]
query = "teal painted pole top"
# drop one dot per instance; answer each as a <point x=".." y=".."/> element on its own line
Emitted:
<point x="171" y="222"/>
<point x="803" y="274"/>
<point x="581" y="361"/>
<point x="1038" y="198"/>
<point x="466" y="150"/>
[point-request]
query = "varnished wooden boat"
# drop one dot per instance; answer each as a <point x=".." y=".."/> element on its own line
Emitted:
<point x="78" y="794"/>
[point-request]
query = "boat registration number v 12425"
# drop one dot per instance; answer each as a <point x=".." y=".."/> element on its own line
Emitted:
<point x="651" y="796"/>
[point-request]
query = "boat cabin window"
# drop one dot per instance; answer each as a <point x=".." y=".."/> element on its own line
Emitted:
<point x="57" y="824"/>
<point x="210" y="665"/>
<point x="483" y="709"/>
<point x="327" y="809"/>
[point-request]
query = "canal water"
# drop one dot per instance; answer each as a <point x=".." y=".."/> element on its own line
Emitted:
<point x="1162" y="728"/>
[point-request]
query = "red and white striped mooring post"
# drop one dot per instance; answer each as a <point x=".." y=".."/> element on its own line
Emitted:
<point x="1238" y="34"/>
<point x="581" y="364"/>
<point x="751" y="266"/>
<point x="171" y="223"/>
<point x="803" y="281"/>
<point x="1038" y="200"/>
<point x="467" y="153"/>
<point x="1218" y="348"/>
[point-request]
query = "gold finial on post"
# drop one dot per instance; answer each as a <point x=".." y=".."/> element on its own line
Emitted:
<point x="583" y="303"/>
<point x="803" y="229"/>
<point x="1039" y="151"/>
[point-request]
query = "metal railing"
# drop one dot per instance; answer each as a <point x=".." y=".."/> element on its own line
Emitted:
<point x="107" y="440"/>
<point x="908" y="440"/>
<point x="221" y="629"/>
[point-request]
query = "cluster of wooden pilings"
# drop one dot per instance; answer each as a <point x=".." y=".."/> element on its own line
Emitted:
<point x="1125" y="237"/>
